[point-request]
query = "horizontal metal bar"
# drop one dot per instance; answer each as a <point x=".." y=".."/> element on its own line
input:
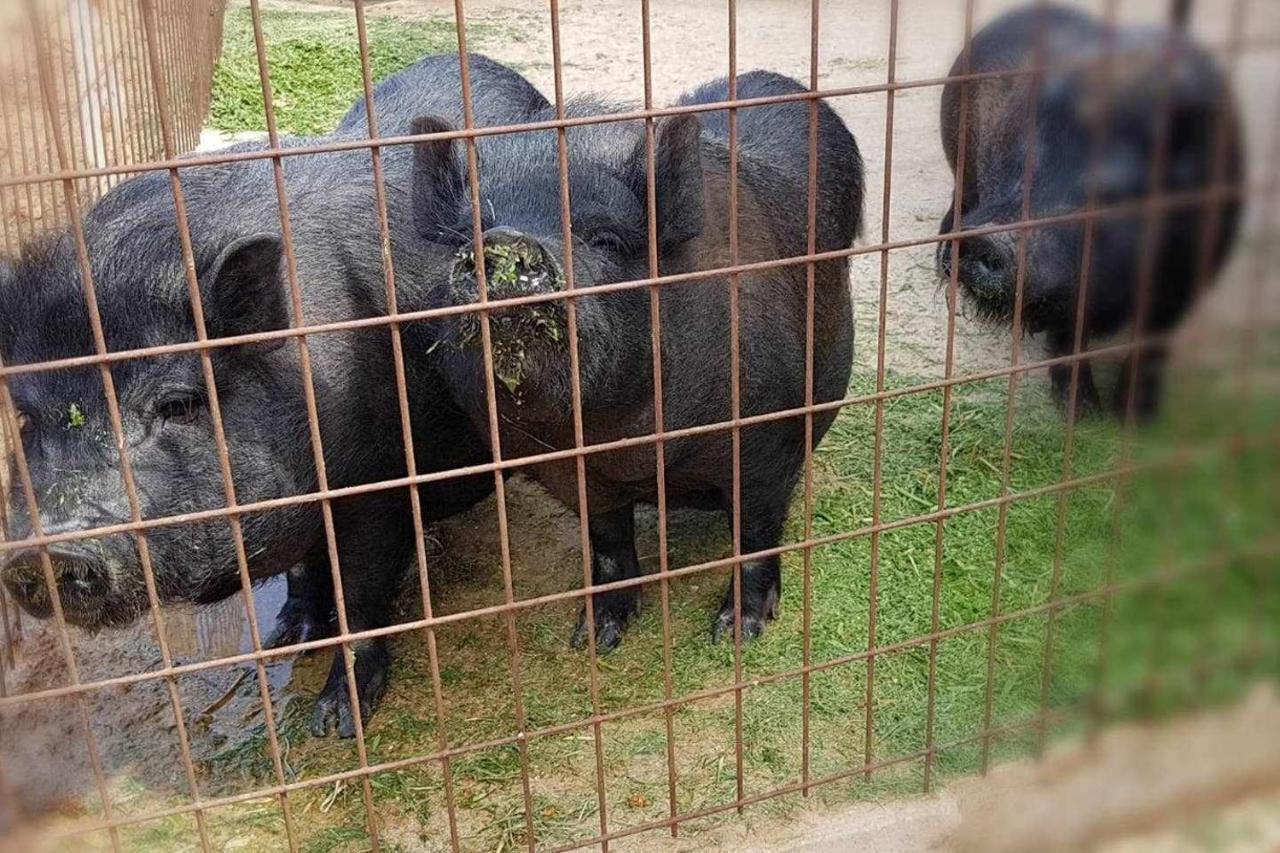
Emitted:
<point x="559" y="455"/>
<point x="1114" y="589"/>
<point x="595" y="589"/>
<point x="1256" y="45"/>
<point x="1160" y="201"/>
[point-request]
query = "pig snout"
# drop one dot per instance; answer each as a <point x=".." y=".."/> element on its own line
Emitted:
<point x="80" y="570"/>
<point x="515" y="264"/>
<point x="987" y="270"/>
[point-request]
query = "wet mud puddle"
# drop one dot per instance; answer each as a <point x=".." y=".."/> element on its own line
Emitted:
<point x="230" y="707"/>
<point x="42" y="742"/>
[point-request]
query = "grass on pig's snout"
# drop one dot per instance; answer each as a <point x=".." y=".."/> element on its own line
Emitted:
<point x="1169" y="645"/>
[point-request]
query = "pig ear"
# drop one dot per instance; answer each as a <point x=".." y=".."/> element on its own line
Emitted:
<point x="243" y="291"/>
<point x="438" y="185"/>
<point x="678" y="177"/>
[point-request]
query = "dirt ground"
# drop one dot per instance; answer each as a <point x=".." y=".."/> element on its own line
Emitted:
<point x="601" y="45"/>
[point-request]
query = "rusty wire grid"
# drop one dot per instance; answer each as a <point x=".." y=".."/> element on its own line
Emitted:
<point x="152" y="58"/>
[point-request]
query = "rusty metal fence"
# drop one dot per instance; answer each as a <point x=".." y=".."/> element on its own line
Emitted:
<point x="115" y="88"/>
<point x="78" y="90"/>
<point x="101" y="96"/>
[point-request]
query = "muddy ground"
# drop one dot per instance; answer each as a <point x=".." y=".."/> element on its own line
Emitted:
<point x="43" y="757"/>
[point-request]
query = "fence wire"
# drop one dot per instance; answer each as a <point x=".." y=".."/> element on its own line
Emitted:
<point x="101" y="91"/>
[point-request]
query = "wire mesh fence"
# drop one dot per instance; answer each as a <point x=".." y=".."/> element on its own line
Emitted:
<point x="296" y="356"/>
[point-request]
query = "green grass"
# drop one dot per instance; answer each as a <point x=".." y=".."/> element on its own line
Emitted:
<point x="314" y="60"/>
<point x="1200" y="637"/>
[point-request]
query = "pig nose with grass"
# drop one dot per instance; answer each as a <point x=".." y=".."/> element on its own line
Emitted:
<point x="520" y="192"/>
<point x="515" y="265"/>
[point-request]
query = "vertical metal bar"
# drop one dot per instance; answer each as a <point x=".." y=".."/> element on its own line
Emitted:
<point x="113" y="409"/>
<point x="9" y="612"/>
<point x="811" y="247"/>
<point x="114" y="59"/>
<point x="9" y="217"/>
<point x="655" y="329"/>
<point x="145" y="87"/>
<point x="126" y="61"/>
<point x="68" y="96"/>
<point x="504" y="535"/>
<point x="1034" y="84"/>
<point x="211" y="45"/>
<point x="1151" y="214"/>
<point x="1098" y="135"/>
<point x="313" y="416"/>
<point x="41" y="151"/>
<point x="575" y="385"/>
<point x="215" y="410"/>
<point x="1211" y="211"/>
<point x="83" y="64"/>
<point x="406" y="427"/>
<point x="128" y="149"/>
<point x="59" y="618"/>
<point x="147" y="129"/>
<point x="110" y="85"/>
<point x="735" y="395"/>
<point x="1263" y="274"/>
<point x="185" y="83"/>
<point x="7" y="660"/>
<point x="163" y="25"/>
<point x="882" y="325"/>
<point x="13" y="210"/>
<point x="164" y="70"/>
<point x="945" y="449"/>
<point x="100" y="85"/>
<point x="179" y="87"/>
<point x="1152" y="223"/>
<point x="14" y="231"/>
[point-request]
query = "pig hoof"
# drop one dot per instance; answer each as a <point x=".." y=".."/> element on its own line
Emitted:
<point x="333" y="712"/>
<point x="325" y="715"/>
<point x="609" y="628"/>
<point x="722" y="628"/>
<point x="333" y="707"/>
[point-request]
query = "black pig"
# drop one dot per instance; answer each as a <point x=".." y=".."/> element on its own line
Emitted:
<point x="608" y="187"/>
<point x="1096" y="132"/>
<point x="134" y="250"/>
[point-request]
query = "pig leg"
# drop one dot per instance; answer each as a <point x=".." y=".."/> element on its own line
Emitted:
<point x="613" y="558"/>
<point x="1146" y="391"/>
<point x="375" y="541"/>
<point x="764" y="512"/>
<point x="1087" y="400"/>
<point x="307" y="613"/>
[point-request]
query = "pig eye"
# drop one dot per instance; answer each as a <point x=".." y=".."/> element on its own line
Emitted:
<point x="181" y="409"/>
<point x="608" y="240"/>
